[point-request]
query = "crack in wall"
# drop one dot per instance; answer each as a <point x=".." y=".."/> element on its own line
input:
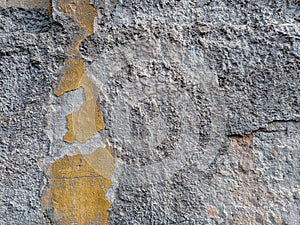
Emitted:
<point x="270" y="127"/>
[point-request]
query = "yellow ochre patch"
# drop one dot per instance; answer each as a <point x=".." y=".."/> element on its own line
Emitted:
<point x="82" y="11"/>
<point x="85" y="123"/>
<point x="77" y="188"/>
<point x="78" y="184"/>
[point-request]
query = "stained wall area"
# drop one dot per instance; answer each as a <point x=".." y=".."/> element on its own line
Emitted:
<point x="149" y="112"/>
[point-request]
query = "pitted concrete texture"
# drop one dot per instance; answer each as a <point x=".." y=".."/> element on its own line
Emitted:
<point x="29" y="56"/>
<point x="201" y="105"/>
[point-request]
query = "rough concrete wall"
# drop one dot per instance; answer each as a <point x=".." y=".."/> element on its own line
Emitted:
<point x="26" y="4"/>
<point x="150" y="112"/>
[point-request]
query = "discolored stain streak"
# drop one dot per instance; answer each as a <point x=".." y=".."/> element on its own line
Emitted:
<point x="211" y="211"/>
<point x="86" y="122"/>
<point x="251" y="191"/>
<point x="246" y="158"/>
<point x="77" y="188"/>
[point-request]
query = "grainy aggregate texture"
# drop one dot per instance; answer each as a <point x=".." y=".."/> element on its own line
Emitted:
<point x="150" y="112"/>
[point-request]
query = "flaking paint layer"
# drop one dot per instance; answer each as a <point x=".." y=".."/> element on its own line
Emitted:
<point x="77" y="188"/>
<point x="82" y="12"/>
<point x="86" y="122"/>
<point x="78" y="184"/>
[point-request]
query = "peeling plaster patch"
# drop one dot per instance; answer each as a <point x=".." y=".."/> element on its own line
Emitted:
<point x="74" y="72"/>
<point x="79" y="183"/>
<point x="102" y="161"/>
<point x="60" y="108"/>
<point x="26" y="4"/>
<point x="78" y="187"/>
<point x="82" y="11"/>
<point x="86" y="122"/>
<point x="82" y="125"/>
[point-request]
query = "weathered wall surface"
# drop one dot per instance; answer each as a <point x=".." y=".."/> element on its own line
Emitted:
<point x="26" y="4"/>
<point x="149" y="112"/>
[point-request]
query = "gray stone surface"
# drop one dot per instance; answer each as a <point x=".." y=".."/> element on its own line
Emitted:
<point x="201" y="101"/>
<point x="31" y="51"/>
